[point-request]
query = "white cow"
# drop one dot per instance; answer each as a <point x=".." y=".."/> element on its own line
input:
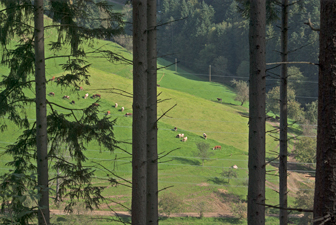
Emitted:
<point x="185" y="139"/>
<point x="116" y="105"/>
<point x="205" y="136"/>
<point x="235" y="167"/>
<point x="122" y="109"/>
<point x="86" y="95"/>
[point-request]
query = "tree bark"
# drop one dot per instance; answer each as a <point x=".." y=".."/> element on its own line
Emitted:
<point x="325" y="181"/>
<point x="41" y="116"/>
<point x="139" y="129"/>
<point x="256" y="163"/>
<point x="283" y="216"/>
<point x="152" y="166"/>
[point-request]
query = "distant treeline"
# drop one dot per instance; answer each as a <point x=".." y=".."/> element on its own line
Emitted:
<point x="214" y="32"/>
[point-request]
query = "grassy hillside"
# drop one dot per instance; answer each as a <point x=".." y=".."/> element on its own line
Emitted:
<point x="197" y="111"/>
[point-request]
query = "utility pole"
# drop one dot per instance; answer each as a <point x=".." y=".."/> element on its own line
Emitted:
<point x="209" y="73"/>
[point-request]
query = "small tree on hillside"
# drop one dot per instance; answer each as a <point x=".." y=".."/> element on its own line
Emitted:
<point x="229" y="174"/>
<point x="242" y="91"/>
<point x="311" y="112"/>
<point x="305" y="150"/>
<point x="203" y="151"/>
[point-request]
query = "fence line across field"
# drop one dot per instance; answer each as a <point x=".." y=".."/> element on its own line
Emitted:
<point x="176" y="156"/>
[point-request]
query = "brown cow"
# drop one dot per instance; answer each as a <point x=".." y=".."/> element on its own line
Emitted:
<point x="128" y="114"/>
<point x="53" y="78"/>
<point x="108" y="113"/>
<point x="81" y="88"/>
<point x="217" y="147"/>
<point x="52" y="94"/>
<point x="66" y="97"/>
<point x="96" y="95"/>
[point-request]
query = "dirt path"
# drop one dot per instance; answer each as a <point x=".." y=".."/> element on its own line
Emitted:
<point x="123" y="214"/>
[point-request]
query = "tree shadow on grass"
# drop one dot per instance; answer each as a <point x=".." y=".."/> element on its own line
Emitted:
<point x="217" y="180"/>
<point x="188" y="161"/>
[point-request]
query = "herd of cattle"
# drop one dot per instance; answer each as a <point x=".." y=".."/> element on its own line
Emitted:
<point x="184" y="139"/>
<point x="86" y="96"/>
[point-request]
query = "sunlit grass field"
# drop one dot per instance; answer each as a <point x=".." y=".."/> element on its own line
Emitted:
<point x="197" y="111"/>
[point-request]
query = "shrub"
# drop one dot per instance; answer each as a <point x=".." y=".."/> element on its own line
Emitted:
<point x="239" y="210"/>
<point x="170" y="203"/>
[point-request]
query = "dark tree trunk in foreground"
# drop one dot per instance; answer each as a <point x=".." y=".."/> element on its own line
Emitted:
<point x="152" y="166"/>
<point x="256" y="163"/>
<point x="325" y="182"/>
<point x="283" y="117"/>
<point x="41" y="116"/>
<point x="139" y="127"/>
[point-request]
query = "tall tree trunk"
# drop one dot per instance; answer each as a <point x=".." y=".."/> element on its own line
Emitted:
<point x="152" y="166"/>
<point x="139" y="129"/>
<point x="41" y="116"/>
<point x="256" y="163"/>
<point x="283" y="117"/>
<point x="325" y="181"/>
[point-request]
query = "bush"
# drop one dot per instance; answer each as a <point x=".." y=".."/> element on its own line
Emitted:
<point x="170" y="203"/>
<point x="305" y="150"/>
<point x="239" y="210"/>
<point x="305" y="200"/>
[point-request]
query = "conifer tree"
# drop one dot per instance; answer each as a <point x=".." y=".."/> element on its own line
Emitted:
<point x="22" y="52"/>
<point x="325" y="182"/>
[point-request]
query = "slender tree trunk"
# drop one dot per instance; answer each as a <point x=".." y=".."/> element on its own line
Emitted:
<point x="325" y="181"/>
<point x="41" y="116"/>
<point x="283" y="117"/>
<point x="256" y="163"/>
<point x="57" y="186"/>
<point x="152" y="166"/>
<point x="139" y="129"/>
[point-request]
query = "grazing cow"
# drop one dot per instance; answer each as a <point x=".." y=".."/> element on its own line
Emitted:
<point x="72" y="102"/>
<point x="185" y="139"/>
<point x="219" y="99"/>
<point x="128" y="114"/>
<point x="66" y="96"/>
<point x="86" y="95"/>
<point x="81" y="88"/>
<point x="53" y="78"/>
<point x="158" y="85"/>
<point x="95" y="104"/>
<point x="175" y="128"/>
<point x="96" y="95"/>
<point x="180" y="135"/>
<point x="235" y="167"/>
<point x="108" y="113"/>
<point x="52" y="94"/>
<point x="217" y="147"/>
<point x="205" y="136"/>
<point x="122" y="109"/>
<point x="116" y="105"/>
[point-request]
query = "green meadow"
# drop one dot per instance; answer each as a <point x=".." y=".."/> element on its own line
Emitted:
<point x="197" y="111"/>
